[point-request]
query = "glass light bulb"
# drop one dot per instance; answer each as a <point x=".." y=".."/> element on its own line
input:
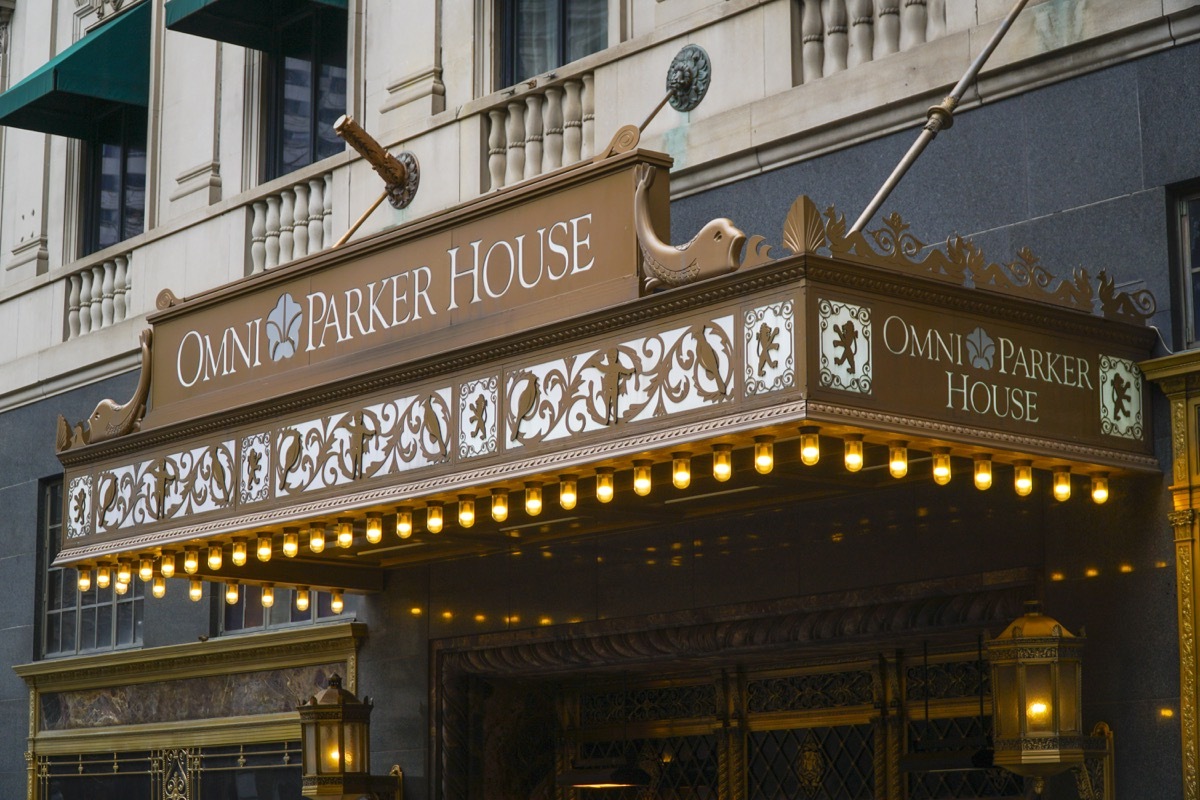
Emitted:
<point x="291" y="544"/>
<point x="1062" y="484"/>
<point x="898" y="459"/>
<point x="123" y="572"/>
<point x="1038" y="711"/>
<point x="268" y="595"/>
<point x="374" y="531"/>
<point x="120" y="588"/>
<point x="302" y="598"/>
<point x="103" y="577"/>
<point x="764" y="454"/>
<point x="853" y="457"/>
<point x="681" y="470"/>
<point x="345" y="533"/>
<point x="214" y="557"/>
<point x="85" y="579"/>
<point x="810" y="445"/>
<point x="722" y="462"/>
<point x="238" y="555"/>
<point x="1100" y="488"/>
<point x="466" y="510"/>
<point x="336" y="604"/>
<point x="604" y="484"/>
<point x="146" y="569"/>
<point x="533" y="498"/>
<point x="941" y="466"/>
<point x="232" y="592"/>
<point x="1022" y="478"/>
<point x="316" y="539"/>
<point x="433" y="517"/>
<point x="263" y="549"/>
<point x="404" y="526"/>
<point x="983" y="471"/>
<point x="499" y="504"/>
<point x="167" y="565"/>
<point x="159" y="587"/>
<point x="568" y="491"/>
<point x="195" y="590"/>
<point x="191" y="560"/>
<point x="641" y="477"/>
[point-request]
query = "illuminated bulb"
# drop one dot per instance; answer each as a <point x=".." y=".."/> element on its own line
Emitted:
<point x="85" y="579"/>
<point x="404" y="522"/>
<point x="722" y="461"/>
<point x="146" y="569"/>
<point x="103" y="577"/>
<point x="123" y="574"/>
<point x="983" y="471"/>
<point x="810" y="445"/>
<point x="159" y="587"/>
<point x="191" y="560"/>
<point x="232" y="592"/>
<point x="302" y="598"/>
<point x="238" y="555"/>
<point x="466" y="510"/>
<point x="1022" y="478"/>
<point x="1100" y="488"/>
<point x="316" y="539"/>
<point x="681" y="470"/>
<point x="499" y="504"/>
<point x="214" y="557"/>
<point x="941" y="465"/>
<point x="268" y="595"/>
<point x="568" y="491"/>
<point x="433" y="517"/>
<point x="291" y="543"/>
<point x="854" y="452"/>
<point x="120" y="588"/>
<point x="336" y="603"/>
<point x="345" y="532"/>
<point x="263" y="549"/>
<point x="167" y="565"/>
<point x="533" y="498"/>
<point x="604" y="484"/>
<point x="1038" y="711"/>
<point x="898" y="459"/>
<point x="764" y="454"/>
<point x="1062" y="484"/>
<point x="641" y="477"/>
<point x="195" y="590"/>
<point x="374" y="528"/>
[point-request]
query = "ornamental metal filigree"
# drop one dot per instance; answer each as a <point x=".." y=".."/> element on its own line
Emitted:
<point x="810" y="766"/>
<point x="770" y="363"/>
<point x="808" y="692"/>
<point x="941" y="681"/>
<point x="478" y="404"/>
<point x="688" y="78"/>
<point x="79" y="507"/>
<point x="648" y="704"/>
<point x="256" y="468"/>
<point x="1120" y="398"/>
<point x="178" y="484"/>
<point x="176" y="775"/>
<point x="845" y="331"/>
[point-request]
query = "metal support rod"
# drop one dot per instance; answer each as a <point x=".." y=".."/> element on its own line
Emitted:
<point x="358" y="222"/>
<point x="939" y="116"/>
<point x="654" y="113"/>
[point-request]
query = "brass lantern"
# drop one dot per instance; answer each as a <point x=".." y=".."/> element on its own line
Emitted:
<point x="1037" y="715"/>
<point x="335" y="743"/>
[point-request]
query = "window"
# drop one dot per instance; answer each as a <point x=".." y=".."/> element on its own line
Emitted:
<point x="114" y="198"/>
<point x="541" y="35"/>
<point x="1189" y="256"/>
<point x="306" y="88"/>
<point x="248" y="613"/>
<point x="79" y="622"/>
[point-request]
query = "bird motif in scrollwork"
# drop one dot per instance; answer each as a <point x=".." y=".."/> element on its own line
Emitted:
<point x="433" y="424"/>
<point x="526" y="404"/>
<point x="108" y="495"/>
<point x="710" y="362"/>
<point x="715" y="250"/>
<point x="289" y="455"/>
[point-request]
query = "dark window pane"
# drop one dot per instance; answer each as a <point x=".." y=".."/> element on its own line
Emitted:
<point x="587" y="28"/>
<point x="54" y="590"/>
<point x="53" y="633"/>
<point x="87" y="629"/>
<point x="536" y="43"/>
<point x="124" y="623"/>
<point x="135" y="192"/>
<point x="104" y="626"/>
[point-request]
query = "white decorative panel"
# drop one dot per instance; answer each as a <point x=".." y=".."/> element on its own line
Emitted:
<point x="1120" y="398"/>
<point x="769" y="347"/>
<point x="478" y="412"/>
<point x="845" y="331"/>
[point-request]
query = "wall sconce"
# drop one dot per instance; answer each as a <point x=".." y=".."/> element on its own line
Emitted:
<point x="433" y="517"/>
<point x="145" y="568"/>
<point x="764" y="454"/>
<point x="345" y="532"/>
<point x="722" y="461"/>
<point x="533" y="498"/>
<point x="302" y="598"/>
<point x="238" y="555"/>
<point x="103" y="576"/>
<point x="853" y="445"/>
<point x="499" y="504"/>
<point x="316" y="539"/>
<point x="983" y="471"/>
<point x="681" y="470"/>
<point x="374" y="530"/>
<point x="941" y="465"/>
<point x="604" y="484"/>
<point x="335" y="747"/>
<point x="466" y="510"/>
<point x="1062" y="484"/>
<point x="1100" y="488"/>
<point x="191" y="560"/>
<point x="166" y="566"/>
<point x="85" y="579"/>
<point x="232" y="592"/>
<point x="195" y="590"/>
<point x="898" y="459"/>
<point x="404" y="526"/>
<point x="263" y="549"/>
<point x="159" y="586"/>
<point x="268" y="595"/>
<point x="1037" y="717"/>
<point x="568" y="491"/>
<point x="1022" y="478"/>
<point x="641" y="477"/>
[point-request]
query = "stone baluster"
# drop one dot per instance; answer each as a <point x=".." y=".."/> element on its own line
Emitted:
<point x="514" y="131"/>
<point x="912" y="24"/>
<point x="73" y="288"/>
<point x="327" y="209"/>
<point x="316" y="215"/>
<point x="935" y="27"/>
<point x="272" y="231"/>
<point x="121" y="280"/>
<point x="258" y="237"/>
<point x="836" y="44"/>
<point x="812" y="37"/>
<point x="97" y="297"/>
<point x="862" y="32"/>
<point x="572" y="122"/>
<point x="496" y="147"/>
<point x="287" y="216"/>
<point x="107" y="286"/>
<point x="533" y="135"/>
<point x="552" y="148"/>
<point x="85" y="302"/>
<point x="887" y="38"/>
<point x="300" y="220"/>
<point x="588" y="102"/>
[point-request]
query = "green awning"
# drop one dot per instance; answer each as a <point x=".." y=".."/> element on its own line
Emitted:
<point x="107" y="68"/>
<point x="249" y="23"/>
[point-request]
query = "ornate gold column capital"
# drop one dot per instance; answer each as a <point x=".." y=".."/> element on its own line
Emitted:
<point x="1183" y="521"/>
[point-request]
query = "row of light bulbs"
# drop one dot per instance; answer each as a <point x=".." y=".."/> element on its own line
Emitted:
<point x="341" y="532"/>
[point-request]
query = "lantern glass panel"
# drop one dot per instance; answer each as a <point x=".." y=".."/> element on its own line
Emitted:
<point x="1039" y="698"/>
<point x="1068" y="694"/>
<point x="358" y="752"/>
<point x="329" y="747"/>
<point x="1006" y="700"/>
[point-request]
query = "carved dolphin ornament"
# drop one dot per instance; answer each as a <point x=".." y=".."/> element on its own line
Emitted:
<point x="111" y="419"/>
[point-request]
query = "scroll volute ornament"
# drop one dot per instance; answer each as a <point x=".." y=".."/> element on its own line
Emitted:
<point x="110" y="419"/>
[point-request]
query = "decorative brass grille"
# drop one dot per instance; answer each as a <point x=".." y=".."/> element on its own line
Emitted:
<point x="834" y="761"/>
<point x="648" y="704"/>
<point x="808" y="692"/>
<point x="957" y="733"/>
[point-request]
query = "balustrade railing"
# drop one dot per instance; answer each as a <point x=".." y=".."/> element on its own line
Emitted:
<point x="540" y="130"/>
<point x="98" y="296"/>
<point x="839" y="34"/>
<point x="293" y="223"/>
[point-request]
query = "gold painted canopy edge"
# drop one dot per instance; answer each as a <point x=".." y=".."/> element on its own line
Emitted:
<point x="254" y="729"/>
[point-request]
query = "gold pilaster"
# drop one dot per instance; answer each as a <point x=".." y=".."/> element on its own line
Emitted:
<point x="1184" y="523"/>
